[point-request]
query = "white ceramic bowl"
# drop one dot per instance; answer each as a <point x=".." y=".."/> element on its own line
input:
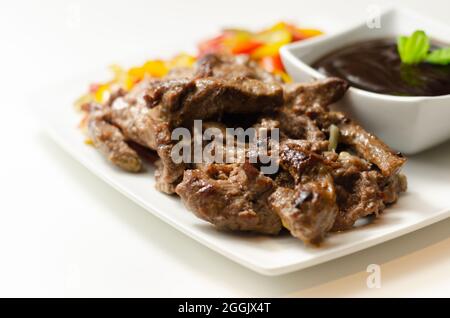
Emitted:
<point x="407" y="124"/>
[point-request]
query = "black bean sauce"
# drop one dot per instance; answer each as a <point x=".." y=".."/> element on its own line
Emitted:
<point x="376" y="66"/>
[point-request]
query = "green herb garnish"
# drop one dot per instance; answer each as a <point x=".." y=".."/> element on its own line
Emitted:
<point x="440" y="56"/>
<point x="414" y="49"/>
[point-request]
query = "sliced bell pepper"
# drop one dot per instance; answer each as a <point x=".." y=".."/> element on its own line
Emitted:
<point x="246" y="47"/>
<point x="102" y="93"/>
<point x="181" y="60"/>
<point x="211" y="46"/>
<point x="272" y="63"/>
<point x="94" y="87"/>
<point x="309" y="33"/>
<point x="266" y="50"/>
<point x="274" y="36"/>
<point x="284" y="76"/>
<point x="155" y="68"/>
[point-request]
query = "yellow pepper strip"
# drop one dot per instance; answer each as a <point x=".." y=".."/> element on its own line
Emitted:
<point x="181" y="60"/>
<point x="280" y="26"/>
<point x="275" y="36"/>
<point x="267" y="50"/>
<point x="89" y="141"/>
<point x="233" y="38"/>
<point x="309" y="33"/>
<point x="274" y="40"/>
<point x="102" y="93"/>
<point x="155" y="68"/>
<point x="284" y="76"/>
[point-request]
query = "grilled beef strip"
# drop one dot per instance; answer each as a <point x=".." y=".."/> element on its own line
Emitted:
<point x="138" y="125"/>
<point x="369" y="192"/>
<point x="233" y="67"/>
<point x="362" y="189"/>
<point x="181" y="101"/>
<point x="109" y="140"/>
<point x="305" y="97"/>
<point x="308" y="210"/>
<point x="364" y="144"/>
<point x="313" y="99"/>
<point x="230" y="196"/>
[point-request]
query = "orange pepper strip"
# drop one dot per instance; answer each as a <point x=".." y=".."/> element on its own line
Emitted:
<point x="246" y="47"/>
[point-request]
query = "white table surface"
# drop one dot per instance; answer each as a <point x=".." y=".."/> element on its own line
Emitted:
<point x="63" y="232"/>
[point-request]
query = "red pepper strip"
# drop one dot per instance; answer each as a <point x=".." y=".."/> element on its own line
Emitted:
<point x="94" y="87"/>
<point x="272" y="63"/>
<point x="296" y="34"/>
<point x="212" y="45"/>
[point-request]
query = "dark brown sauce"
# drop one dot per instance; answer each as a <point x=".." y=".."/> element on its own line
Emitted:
<point x="375" y="66"/>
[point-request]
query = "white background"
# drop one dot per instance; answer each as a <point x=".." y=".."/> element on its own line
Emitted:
<point x="63" y="232"/>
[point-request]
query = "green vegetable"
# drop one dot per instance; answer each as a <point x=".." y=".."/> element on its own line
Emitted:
<point x="334" y="138"/>
<point x="440" y="56"/>
<point x="413" y="49"/>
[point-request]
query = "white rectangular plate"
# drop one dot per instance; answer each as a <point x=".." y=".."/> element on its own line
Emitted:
<point x="427" y="200"/>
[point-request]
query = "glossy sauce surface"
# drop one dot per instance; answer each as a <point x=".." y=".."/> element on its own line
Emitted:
<point x="376" y="66"/>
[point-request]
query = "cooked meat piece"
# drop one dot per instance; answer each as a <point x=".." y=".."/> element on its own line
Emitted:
<point x="361" y="190"/>
<point x="284" y="179"/>
<point x="298" y="126"/>
<point x="371" y="148"/>
<point x="181" y="72"/>
<point x="168" y="173"/>
<point x="143" y="126"/>
<point x="365" y="144"/>
<point x="346" y="165"/>
<point x="230" y="196"/>
<point x="309" y="210"/>
<point x="392" y="187"/>
<point x="267" y="123"/>
<point x="139" y="123"/>
<point x="296" y="156"/>
<point x="110" y="141"/>
<point x="364" y="198"/>
<point x="304" y="97"/>
<point x="182" y="101"/>
<point x="233" y="67"/>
